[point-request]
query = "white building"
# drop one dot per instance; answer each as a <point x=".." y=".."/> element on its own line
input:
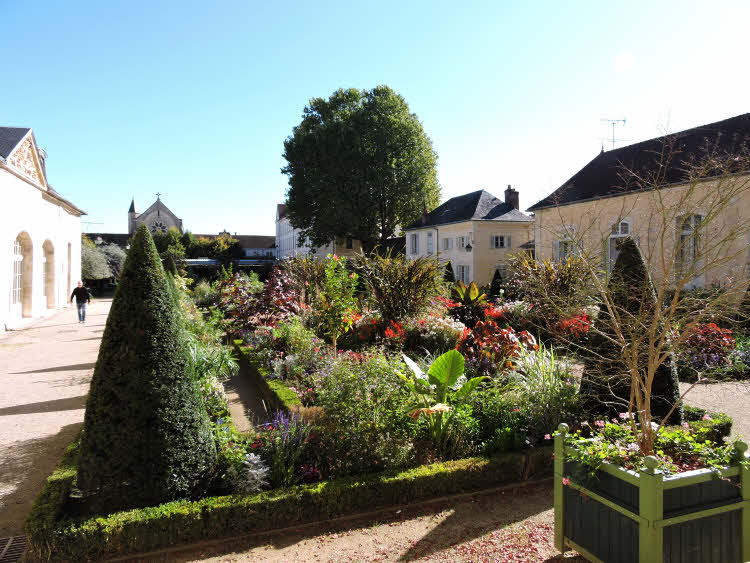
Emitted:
<point x="287" y="239"/>
<point x="40" y="234"/>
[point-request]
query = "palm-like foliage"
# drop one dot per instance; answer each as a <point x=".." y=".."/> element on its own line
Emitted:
<point x="437" y="394"/>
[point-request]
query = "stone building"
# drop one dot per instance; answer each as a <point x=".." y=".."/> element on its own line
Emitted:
<point x="40" y="260"/>
<point x="475" y="232"/>
<point x="158" y="217"/>
<point x="682" y="225"/>
<point x="287" y="241"/>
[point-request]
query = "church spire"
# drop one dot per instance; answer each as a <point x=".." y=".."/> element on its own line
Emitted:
<point x="132" y="206"/>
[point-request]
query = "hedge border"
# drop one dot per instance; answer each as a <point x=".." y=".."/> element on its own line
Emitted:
<point x="277" y="395"/>
<point x="53" y="535"/>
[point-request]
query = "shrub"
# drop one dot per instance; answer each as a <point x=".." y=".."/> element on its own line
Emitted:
<point x="489" y="348"/>
<point x="365" y="427"/>
<point x="336" y="303"/>
<point x="708" y="426"/>
<point x="253" y="477"/>
<point x="706" y="347"/>
<point x="448" y="275"/>
<point x="470" y="302"/>
<point x="307" y="275"/>
<point x="147" y="437"/>
<point x="606" y="380"/>
<point x="282" y="444"/>
<point x="438" y="397"/>
<point x="205" y="295"/>
<point x="399" y="288"/>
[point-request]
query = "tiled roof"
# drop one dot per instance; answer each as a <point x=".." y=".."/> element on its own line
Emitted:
<point x="607" y="175"/>
<point x="475" y="206"/>
<point x="9" y="138"/>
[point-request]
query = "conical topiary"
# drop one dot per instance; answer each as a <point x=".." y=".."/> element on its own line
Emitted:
<point x="448" y="274"/>
<point x="147" y="437"/>
<point x="496" y="285"/>
<point x="606" y="380"/>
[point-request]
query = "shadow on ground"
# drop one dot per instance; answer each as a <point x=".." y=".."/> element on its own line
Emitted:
<point x="24" y="466"/>
<point x="71" y="367"/>
<point x="69" y="404"/>
<point x="472" y="517"/>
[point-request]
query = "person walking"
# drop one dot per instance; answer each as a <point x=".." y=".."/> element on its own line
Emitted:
<point x="82" y="297"/>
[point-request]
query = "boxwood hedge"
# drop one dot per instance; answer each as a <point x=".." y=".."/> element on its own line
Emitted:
<point x="54" y="534"/>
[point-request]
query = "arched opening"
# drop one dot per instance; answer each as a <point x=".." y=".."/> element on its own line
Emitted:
<point x="23" y="268"/>
<point x="49" y="273"/>
<point x="70" y="268"/>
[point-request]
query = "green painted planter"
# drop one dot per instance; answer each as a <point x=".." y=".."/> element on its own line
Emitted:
<point x="647" y="517"/>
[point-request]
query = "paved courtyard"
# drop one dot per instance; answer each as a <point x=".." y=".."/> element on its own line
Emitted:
<point x="44" y="377"/>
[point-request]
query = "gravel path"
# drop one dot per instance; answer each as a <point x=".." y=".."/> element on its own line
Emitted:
<point x="514" y="524"/>
<point x="44" y="376"/>
<point x="731" y="398"/>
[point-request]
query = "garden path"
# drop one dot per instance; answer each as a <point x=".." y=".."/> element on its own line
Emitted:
<point x="45" y="371"/>
<point x="732" y="398"/>
<point x="244" y="402"/>
<point x="513" y="524"/>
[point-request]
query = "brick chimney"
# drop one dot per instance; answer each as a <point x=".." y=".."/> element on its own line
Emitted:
<point x="511" y="197"/>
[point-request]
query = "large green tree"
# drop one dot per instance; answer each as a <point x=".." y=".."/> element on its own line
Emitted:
<point x="359" y="165"/>
<point x="146" y="435"/>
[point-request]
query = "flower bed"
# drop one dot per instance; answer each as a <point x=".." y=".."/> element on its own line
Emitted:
<point x="55" y="534"/>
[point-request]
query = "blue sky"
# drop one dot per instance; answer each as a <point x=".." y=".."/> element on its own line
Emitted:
<point x="195" y="99"/>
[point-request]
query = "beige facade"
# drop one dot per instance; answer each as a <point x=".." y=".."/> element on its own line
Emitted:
<point x="491" y="243"/>
<point x="287" y="241"/>
<point x="702" y="226"/>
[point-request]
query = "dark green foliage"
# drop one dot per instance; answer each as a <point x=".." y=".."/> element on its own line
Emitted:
<point x="56" y="536"/>
<point x="496" y="286"/>
<point x="472" y="302"/>
<point x="359" y="164"/>
<point x="448" y="275"/>
<point x="712" y="426"/>
<point x="147" y="437"/>
<point x="606" y="380"/>
<point x="399" y="287"/>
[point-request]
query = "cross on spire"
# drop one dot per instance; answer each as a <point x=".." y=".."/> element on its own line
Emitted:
<point x="158" y="195"/>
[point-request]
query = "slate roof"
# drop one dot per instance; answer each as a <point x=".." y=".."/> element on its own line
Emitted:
<point x="9" y="138"/>
<point x="606" y="174"/>
<point x="120" y="239"/>
<point x="475" y="206"/>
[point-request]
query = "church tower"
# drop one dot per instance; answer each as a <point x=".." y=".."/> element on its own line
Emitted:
<point x="132" y="215"/>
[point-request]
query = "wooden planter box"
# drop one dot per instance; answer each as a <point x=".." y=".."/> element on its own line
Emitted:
<point x="624" y="516"/>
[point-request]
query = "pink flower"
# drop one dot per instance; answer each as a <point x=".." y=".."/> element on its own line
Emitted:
<point x="706" y="417"/>
<point x="516" y="410"/>
<point x="599" y="423"/>
<point x="686" y="425"/>
<point x="623" y="415"/>
<point x="565" y="481"/>
<point x="547" y="437"/>
<point x="351" y="275"/>
<point x="335" y="257"/>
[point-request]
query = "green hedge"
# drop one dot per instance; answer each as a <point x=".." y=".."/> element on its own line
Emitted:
<point x="277" y="395"/>
<point x="54" y="535"/>
<point x="717" y="428"/>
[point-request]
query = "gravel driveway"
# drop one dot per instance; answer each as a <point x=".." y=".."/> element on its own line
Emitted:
<point x="44" y="378"/>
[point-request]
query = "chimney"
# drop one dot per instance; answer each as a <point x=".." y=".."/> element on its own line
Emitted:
<point x="511" y="197"/>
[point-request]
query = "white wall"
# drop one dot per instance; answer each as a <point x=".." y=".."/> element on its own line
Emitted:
<point x="25" y="210"/>
<point x="286" y="242"/>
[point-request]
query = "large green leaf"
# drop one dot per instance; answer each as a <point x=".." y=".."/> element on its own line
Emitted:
<point x="413" y="366"/>
<point x="446" y="369"/>
<point x="473" y="291"/>
<point x="468" y="388"/>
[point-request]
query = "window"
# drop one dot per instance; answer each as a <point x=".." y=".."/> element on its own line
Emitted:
<point x="500" y="241"/>
<point x="460" y="242"/>
<point x="565" y="248"/>
<point x="429" y="243"/>
<point x="620" y="230"/>
<point x="349" y="243"/>
<point x="689" y="239"/>
<point x="158" y="226"/>
<point x="462" y="274"/>
<point x="447" y="243"/>
<point x="414" y="243"/>
<point x="16" y="294"/>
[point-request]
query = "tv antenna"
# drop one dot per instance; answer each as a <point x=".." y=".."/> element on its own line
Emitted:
<point x="87" y="223"/>
<point x="614" y="122"/>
